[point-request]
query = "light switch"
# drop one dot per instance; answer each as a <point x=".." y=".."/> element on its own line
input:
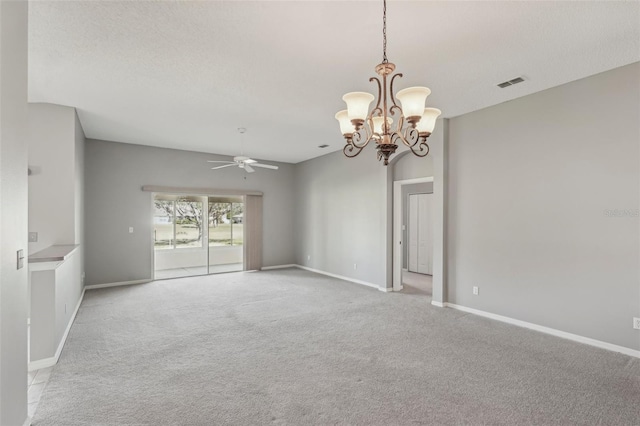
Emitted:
<point x="131" y="229"/>
<point x="20" y="256"/>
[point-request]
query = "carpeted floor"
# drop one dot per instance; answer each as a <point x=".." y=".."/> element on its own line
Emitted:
<point x="292" y="347"/>
<point x="414" y="283"/>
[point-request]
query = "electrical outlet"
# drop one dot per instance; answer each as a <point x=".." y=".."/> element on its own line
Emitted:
<point x="131" y="229"/>
<point x="33" y="237"/>
<point x="476" y="290"/>
<point x="636" y="323"/>
<point x="308" y="257"/>
<point x="355" y="266"/>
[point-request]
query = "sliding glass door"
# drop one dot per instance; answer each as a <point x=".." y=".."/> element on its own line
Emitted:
<point x="226" y="236"/>
<point x="196" y="235"/>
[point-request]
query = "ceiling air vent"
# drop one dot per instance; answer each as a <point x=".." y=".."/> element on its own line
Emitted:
<point x="323" y="146"/>
<point x="511" y="82"/>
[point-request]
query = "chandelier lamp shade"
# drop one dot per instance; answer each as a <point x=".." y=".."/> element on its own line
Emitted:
<point x="414" y="124"/>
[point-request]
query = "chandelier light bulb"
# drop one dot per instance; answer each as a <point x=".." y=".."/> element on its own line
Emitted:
<point x="358" y="105"/>
<point x="428" y="121"/>
<point x="346" y="126"/>
<point x="413" y="100"/>
<point x="377" y="124"/>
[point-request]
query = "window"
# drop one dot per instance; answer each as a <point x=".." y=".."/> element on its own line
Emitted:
<point x="163" y="232"/>
<point x="178" y="223"/>
<point x="226" y="224"/>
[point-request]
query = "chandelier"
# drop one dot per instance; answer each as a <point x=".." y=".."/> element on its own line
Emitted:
<point x="359" y="126"/>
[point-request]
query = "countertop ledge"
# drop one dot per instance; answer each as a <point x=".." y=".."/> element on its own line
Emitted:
<point x="55" y="253"/>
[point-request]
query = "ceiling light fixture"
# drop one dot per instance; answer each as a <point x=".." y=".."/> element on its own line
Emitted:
<point x="421" y="120"/>
<point x="241" y="160"/>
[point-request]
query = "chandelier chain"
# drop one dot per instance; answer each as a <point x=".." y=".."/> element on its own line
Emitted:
<point x="384" y="32"/>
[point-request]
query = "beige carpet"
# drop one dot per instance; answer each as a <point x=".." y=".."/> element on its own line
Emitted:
<point x="291" y="347"/>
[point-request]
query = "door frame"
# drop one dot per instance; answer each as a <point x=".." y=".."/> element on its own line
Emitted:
<point x="397" y="227"/>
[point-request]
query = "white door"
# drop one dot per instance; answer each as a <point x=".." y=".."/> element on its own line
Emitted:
<point x="413" y="233"/>
<point x="425" y="235"/>
<point x="420" y="234"/>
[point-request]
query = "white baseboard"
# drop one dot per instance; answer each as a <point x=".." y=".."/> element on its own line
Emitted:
<point x="50" y="362"/>
<point x="68" y="329"/>
<point x="95" y="286"/>
<point x="268" y="268"/>
<point x="341" y="277"/>
<point x="438" y="304"/>
<point x="27" y="422"/>
<point x="42" y="363"/>
<point x="548" y="330"/>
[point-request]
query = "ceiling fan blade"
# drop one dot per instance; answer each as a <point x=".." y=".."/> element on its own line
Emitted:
<point x="265" y="166"/>
<point x="214" y="161"/>
<point x="248" y="168"/>
<point x="222" y="167"/>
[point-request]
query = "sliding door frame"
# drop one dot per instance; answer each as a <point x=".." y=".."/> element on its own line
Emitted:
<point x="252" y="244"/>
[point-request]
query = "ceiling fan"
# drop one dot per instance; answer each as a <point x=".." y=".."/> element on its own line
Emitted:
<point x="243" y="162"/>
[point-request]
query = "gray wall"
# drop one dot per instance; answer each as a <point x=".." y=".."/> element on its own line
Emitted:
<point x="114" y="201"/>
<point x="13" y="212"/>
<point x="341" y="218"/>
<point x="416" y="188"/>
<point x="532" y="185"/>
<point x="344" y="210"/>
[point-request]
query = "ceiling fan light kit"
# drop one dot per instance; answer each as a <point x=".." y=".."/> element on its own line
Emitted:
<point x="359" y="126"/>
<point x="242" y="161"/>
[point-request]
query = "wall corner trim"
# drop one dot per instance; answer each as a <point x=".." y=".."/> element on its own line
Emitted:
<point x="438" y="304"/>
<point x="49" y="362"/>
<point x="342" y="277"/>
<point x="547" y="330"/>
<point x="118" y="284"/>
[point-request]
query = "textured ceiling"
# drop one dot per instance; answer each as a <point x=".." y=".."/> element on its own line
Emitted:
<point x="186" y="75"/>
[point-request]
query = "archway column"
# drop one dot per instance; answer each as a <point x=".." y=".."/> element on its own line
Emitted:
<point x="440" y="151"/>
